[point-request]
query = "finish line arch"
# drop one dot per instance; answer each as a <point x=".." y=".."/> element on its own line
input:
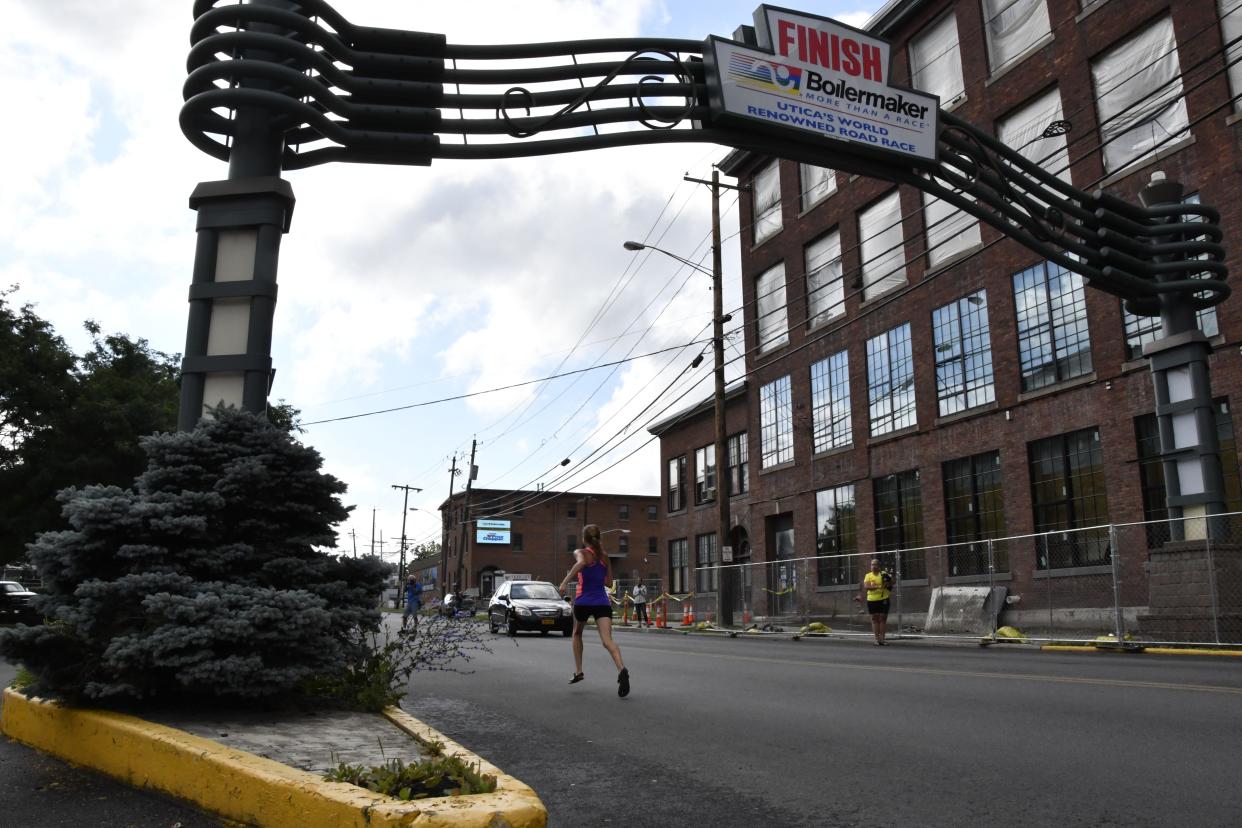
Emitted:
<point x="277" y="85"/>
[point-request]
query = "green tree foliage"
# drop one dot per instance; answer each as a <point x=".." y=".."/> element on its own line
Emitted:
<point x="67" y="420"/>
<point x="35" y="377"/>
<point x="71" y="421"/>
<point x="203" y="578"/>
<point x="423" y="551"/>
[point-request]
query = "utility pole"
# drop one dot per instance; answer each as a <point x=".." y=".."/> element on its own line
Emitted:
<point x="405" y="508"/>
<point x="353" y="536"/>
<point x="446" y="521"/>
<point x="725" y="595"/>
<point x="373" y="533"/>
<point x="471" y="472"/>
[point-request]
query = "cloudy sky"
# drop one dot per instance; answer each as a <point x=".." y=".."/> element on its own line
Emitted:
<point x="399" y="286"/>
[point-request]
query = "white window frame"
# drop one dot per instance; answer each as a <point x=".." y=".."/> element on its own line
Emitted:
<point x="772" y="318"/>
<point x="766" y="198"/>
<point x="936" y="61"/>
<point x="1138" y="96"/>
<point x="882" y="244"/>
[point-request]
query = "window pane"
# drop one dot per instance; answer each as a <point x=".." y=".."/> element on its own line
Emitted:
<point x="767" y="200"/>
<point x="974" y="513"/>
<point x="1053" y="340"/>
<point x="775" y="423"/>
<point x="936" y="61"/>
<point x="1138" y="92"/>
<point x="1012" y="27"/>
<point x="949" y="230"/>
<point x="773" y="324"/>
<point x="825" y="289"/>
<point x="707" y="573"/>
<point x="1022" y="132"/>
<point x="817" y="184"/>
<point x="1067" y="492"/>
<point x="738" y="466"/>
<point x="830" y="403"/>
<point x="890" y="381"/>
<point x="835" y="536"/>
<point x="883" y="251"/>
<point x="1231" y="29"/>
<point x="705" y="474"/>
<point x="963" y="354"/>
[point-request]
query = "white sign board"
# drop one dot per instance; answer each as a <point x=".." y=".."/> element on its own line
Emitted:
<point x="491" y="536"/>
<point x="726" y="554"/>
<point x="492" y="524"/>
<point x="816" y="78"/>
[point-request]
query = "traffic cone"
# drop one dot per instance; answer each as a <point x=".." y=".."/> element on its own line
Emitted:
<point x="662" y="616"/>
<point x="685" y="615"/>
<point x="625" y="615"/>
<point x="689" y="614"/>
<point x="745" y="616"/>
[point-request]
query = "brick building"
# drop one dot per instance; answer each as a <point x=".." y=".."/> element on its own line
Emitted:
<point x="535" y="533"/>
<point x="916" y="381"/>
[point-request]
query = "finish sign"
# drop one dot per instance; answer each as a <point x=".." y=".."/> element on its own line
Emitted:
<point x="815" y="76"/>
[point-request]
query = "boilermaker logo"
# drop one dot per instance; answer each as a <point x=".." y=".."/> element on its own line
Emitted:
<point x="758" y="73"/>
<point x="815" y="79"/>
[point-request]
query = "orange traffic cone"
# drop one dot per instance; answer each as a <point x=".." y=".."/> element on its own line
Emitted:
<point x="686" y="617"/>
<point x="625" y="615"/>
<point x="745" y="616"/>
<point x="690" y="612"/>
<point x="662" y="616"/>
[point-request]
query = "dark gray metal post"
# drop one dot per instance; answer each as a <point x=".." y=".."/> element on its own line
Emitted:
<point x="233" y="292"/>
<point x="1185" y="414"/>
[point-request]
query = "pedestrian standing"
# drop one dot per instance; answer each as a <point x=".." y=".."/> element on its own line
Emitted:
<point x="593" y="572"/>
<point x="639" y="596"/>
<point x="875" y="588"/>
<point x="413" y="601"/>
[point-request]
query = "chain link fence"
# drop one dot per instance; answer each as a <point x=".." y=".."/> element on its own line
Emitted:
<point x="1173" y="581"/>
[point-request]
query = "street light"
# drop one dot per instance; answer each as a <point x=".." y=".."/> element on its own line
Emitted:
<point x="724" y="603"/>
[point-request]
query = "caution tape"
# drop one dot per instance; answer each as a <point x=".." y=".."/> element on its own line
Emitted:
<point x="785" y="591"/>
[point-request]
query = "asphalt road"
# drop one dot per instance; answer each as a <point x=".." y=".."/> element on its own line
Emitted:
<point x="742" y="732"/>
<point x="38" y="791"/>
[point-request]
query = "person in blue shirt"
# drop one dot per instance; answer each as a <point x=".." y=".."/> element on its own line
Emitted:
<point x="413" y="601"/>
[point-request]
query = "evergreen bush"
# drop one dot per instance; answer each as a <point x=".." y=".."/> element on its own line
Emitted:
<point x="203" y="579"/>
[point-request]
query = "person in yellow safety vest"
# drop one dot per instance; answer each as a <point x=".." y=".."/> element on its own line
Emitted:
<point x="875" y="589"/>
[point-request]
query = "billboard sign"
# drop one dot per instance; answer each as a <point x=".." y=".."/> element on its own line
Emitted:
<point x="816" y="79"/>
<point x="491" y="536"/>
<point x="492" y="524"/>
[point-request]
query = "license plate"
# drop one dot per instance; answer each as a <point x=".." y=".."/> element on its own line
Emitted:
<point x="549" y="621"/>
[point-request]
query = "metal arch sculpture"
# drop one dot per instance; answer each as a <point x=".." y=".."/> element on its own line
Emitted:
<point x="278" y="85"/>
<point x="388" y="108"/>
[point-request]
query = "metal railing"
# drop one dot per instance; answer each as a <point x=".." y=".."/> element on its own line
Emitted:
<point x="1173" y="581"/>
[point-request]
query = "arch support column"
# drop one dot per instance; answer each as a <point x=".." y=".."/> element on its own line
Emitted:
<point x="232" y="296"/>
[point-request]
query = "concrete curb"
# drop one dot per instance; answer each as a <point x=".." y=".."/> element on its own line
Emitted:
<point x="1183" y="651"/>
<point x="248" y="788"/>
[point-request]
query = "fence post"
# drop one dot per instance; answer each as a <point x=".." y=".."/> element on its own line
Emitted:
<point x="897" y="588"/>
<point x="1211" y="578"/>
<point x="805" y="590"/>
<point x="992" y="584"/>
<point x="1115" y="557"/>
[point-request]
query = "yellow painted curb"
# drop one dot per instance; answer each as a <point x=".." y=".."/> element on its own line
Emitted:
<point x="1091" y="648"/>
<point x="245" y="787"/>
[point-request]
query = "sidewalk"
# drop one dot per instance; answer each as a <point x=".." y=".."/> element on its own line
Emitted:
<point x="255" y="768"/>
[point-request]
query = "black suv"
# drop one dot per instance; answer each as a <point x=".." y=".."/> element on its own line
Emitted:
<point x="17" y="604"/>
<point x="529" y="605"/>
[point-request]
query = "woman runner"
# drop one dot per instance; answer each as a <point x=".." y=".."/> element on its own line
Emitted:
<point x="594" y="572"/>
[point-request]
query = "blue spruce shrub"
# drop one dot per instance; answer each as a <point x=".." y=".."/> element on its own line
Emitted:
<point x="203" y="579"/>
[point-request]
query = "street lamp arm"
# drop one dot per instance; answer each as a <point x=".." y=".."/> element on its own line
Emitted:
<point x="634" y="247"/>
